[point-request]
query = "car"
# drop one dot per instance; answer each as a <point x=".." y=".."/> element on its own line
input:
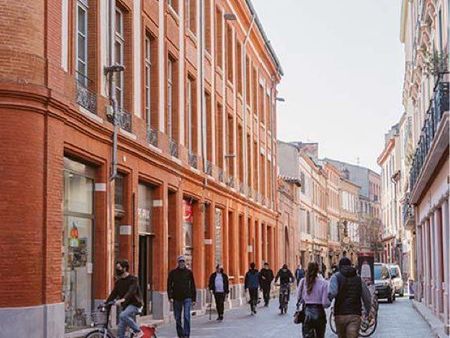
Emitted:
<point x="397" y="279"/>
<point x="383" y="282"/>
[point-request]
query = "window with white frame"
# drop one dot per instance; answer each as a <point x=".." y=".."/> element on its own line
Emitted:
<point x="119" y="44"/>
<point x="169" y="97"/>
<point x="82" y="42"/>
<point x="147" y="80"/>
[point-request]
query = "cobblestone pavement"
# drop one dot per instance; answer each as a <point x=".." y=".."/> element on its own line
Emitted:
<point x="395" y="320"/>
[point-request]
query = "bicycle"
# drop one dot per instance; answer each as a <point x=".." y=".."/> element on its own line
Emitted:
<point x="368" y="323"/>
<point x="101" y="320"/>
<point x="284" y="298"/>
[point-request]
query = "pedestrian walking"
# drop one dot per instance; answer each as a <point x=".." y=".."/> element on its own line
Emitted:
<point x="299" y="273"/>
<point x="350" y="293"/>
<point x="219" y="286"/>
<point x="313" y="293"/>
<point x="286" y="278"/>
<point x="265" y="280"/>
<point x="128" y="295"/>
<point x="181" y="291"/>
<point x="252" y="285"/>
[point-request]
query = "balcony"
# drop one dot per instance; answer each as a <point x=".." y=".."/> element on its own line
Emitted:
<point x="152" y="137"/>
<point x="193" y="159"/>
<point x="429" y="150"/>
<point x="221" y="175"/>
<point x="230" y="181"/>
<point x="173" y="148"/>
<point x="209" y="168"/>
<point x="123" y="120"/>
<point x="408" y="216"/>
<point x="242" y="188"/>
<point x="85" y="97"/>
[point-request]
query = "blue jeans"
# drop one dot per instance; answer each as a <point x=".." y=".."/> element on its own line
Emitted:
<point x="127" y="318"/>
<point x="184" y="306"/>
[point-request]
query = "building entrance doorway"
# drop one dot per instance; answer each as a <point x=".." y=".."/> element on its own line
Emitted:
<point x="146" y="271"/>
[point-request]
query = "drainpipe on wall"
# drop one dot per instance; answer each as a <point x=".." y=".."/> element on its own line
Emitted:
<point x="202" y="94"/>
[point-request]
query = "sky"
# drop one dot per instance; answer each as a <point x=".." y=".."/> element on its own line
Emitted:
<point x="344" y="65"/>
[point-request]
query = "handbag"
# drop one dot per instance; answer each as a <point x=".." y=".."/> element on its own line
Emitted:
<point x="299" y="315"/>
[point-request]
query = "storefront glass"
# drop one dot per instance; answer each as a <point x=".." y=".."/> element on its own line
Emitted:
<point x="188" y="220"/>
<point x="77" y="244"/>
<point x="218" y="240"/>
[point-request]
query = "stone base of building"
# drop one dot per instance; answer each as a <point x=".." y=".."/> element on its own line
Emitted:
<point x="34" y="321"/>
<point x="438" y="328"/>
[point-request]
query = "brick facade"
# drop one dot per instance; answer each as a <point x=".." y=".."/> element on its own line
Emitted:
<point x="49" y="117"/>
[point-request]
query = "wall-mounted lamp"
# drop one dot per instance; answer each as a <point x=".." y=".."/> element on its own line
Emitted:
<point x="280" y="99"/>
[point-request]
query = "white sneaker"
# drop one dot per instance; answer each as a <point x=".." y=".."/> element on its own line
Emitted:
<point x="140" y="334"/>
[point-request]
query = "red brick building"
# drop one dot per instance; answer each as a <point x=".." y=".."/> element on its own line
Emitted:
<point x="196" y="155"/>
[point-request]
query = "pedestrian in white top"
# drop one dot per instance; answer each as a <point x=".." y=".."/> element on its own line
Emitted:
<point x="218" y="284"/>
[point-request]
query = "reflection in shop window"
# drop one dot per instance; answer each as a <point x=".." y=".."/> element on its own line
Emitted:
<point x="218" y="239"/>
<point x="188" y="219"/>
<point x="145" y="209"/>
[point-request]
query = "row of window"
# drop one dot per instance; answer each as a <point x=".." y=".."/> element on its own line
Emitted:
<point x="262" y="103"/>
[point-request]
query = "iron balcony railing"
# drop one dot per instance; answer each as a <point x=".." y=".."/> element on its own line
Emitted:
<point x="209" y="168"/>
<point x="173" y="148"/>
<point x="221" y="175"/>
<point x="242" y="189"/>
<point x="438" y="106"/>
<point x="230" y="181"/>
<point x="85" y="97"/>
<point x="193" y="159"/>
<point x="152" y="136"/>
<point x="124" y="120"/>
<point x="408" y="213"/>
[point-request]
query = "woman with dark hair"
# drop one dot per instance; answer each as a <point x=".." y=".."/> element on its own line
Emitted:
<point x="313" y="292"/>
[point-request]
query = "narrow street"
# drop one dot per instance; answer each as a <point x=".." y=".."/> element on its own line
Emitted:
<point x="395" y="320"/>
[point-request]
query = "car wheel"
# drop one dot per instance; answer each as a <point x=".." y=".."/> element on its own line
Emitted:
<point x="389" y="299"/>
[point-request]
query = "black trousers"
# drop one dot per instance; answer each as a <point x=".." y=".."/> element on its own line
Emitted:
<point x="315" y="321"/>
<point x="266" y="293"/>
<point x="220" y="300"/>
<point x="253" y="297"/>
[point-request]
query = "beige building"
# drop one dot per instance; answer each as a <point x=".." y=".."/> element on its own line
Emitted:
<point x="334" y="213"/>
<point x="349" y="204"/>
<point x="424" y="33"/>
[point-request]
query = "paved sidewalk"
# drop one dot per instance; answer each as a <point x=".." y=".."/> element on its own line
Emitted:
<point x="397" y="320"/>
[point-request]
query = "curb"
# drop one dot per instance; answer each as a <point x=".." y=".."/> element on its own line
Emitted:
<point x="437" y="327"/>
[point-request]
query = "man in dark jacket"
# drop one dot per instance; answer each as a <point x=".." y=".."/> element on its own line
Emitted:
<point x="348" y="289"/>
<point x="252" y="284"/>
<point x="181" y="291"/>
<point x="127" y="293"/>
<point x="265" y="280"/>
<point x="219" y="286"/>
<point x="299" y="273"/>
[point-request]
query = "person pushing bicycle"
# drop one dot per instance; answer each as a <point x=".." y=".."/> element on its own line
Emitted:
<point x="350" y="291"/>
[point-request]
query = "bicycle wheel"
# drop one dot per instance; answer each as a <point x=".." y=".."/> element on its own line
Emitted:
<point x="99" y="334"/>
<point x="332" y="322"/>
<point x="370" y="330"/>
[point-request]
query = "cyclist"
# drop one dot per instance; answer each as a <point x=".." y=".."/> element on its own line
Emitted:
<point x="348" y="289"/>
<point x="286" y="278"/>
<point x="127" y="294"/>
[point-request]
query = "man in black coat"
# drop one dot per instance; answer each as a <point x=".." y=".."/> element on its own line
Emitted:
<point x="219" y="286"/>
<point x="265" y="280"/>
<point x="181" y="291"/>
